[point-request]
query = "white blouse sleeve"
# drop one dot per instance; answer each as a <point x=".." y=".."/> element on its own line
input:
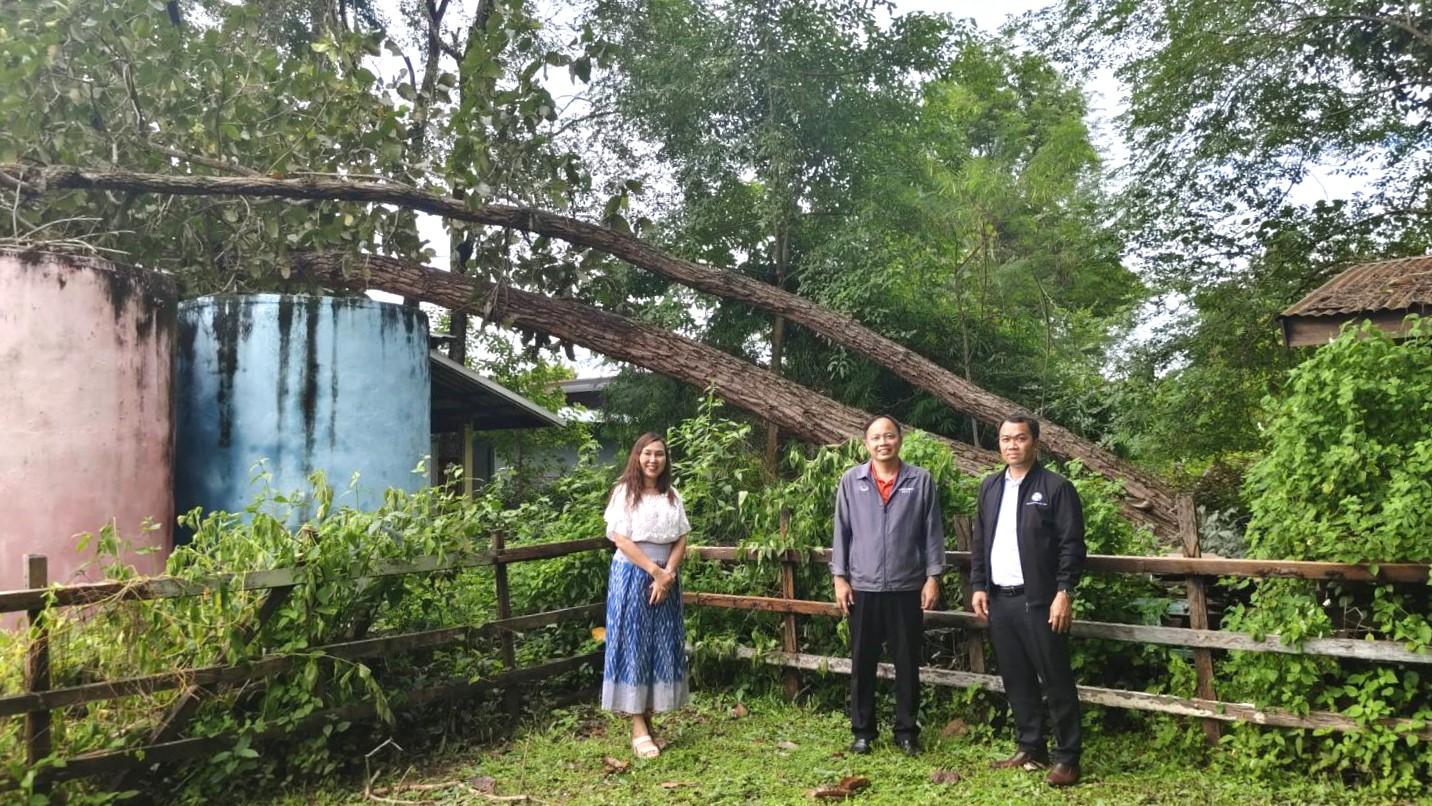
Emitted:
<point x="618" y="514"/>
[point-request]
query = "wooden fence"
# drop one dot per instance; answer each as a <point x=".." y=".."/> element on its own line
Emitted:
<point x="40" y="704"/>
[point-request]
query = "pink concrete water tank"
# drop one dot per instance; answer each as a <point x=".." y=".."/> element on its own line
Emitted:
<point x="86" y="418"/>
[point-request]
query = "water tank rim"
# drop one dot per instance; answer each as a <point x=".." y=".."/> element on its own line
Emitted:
<point x="154" y="280"/>
<point x="271" y="298"/>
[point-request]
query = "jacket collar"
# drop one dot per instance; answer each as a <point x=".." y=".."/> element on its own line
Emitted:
<point x="867" y="471"/>
<point x="1033" y="473"/>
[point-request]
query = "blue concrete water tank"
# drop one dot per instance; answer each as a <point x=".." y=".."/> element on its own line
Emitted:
<point x="301" y="383"/>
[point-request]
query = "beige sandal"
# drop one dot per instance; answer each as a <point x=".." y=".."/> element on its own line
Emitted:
<point x="644" y="747"/>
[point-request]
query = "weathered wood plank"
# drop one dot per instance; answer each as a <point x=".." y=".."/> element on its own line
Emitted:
<point x="1113" y="698"/>
<point x="532" y="621"/>
<point x="211" y="676"/>
<point x="789" y="642"/>
<point x="171" y="588"/>
<point x="1385" y="651"/>
<point x="506" y="644"/>
<point x="1197" y="591"/>
<point x="1411" y="573"/>
<point x="974" y="643"/>
<point x="168" y="587"/>
<point x="37" y="669"/>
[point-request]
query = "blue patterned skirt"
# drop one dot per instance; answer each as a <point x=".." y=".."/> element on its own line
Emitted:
<point x="646" y="645"/>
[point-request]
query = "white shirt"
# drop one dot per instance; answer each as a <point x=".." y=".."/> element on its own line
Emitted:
<point x="653" y="524"/>
<point x="1005" y="569"/>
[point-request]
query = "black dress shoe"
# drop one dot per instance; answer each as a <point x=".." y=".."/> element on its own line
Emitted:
<point x="860" y="746"/>
<point x="909" y="745"/>
<point x="1061" y="775"/>
<point x="1022" y="759"/>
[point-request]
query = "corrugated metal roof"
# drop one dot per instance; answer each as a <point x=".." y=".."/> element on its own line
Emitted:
<point x="1385" y="285"/>
<point x="461" y="396"/>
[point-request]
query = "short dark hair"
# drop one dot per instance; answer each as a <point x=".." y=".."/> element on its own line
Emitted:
<point x="877" y="418"/>
<point x="1028" y="421"/>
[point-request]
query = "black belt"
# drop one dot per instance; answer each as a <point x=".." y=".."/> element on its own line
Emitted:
<point x="1012" y="590"/>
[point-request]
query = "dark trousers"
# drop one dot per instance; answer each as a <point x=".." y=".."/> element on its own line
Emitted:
<point x="877" y="619"/>
<point x="1034" y="664"/>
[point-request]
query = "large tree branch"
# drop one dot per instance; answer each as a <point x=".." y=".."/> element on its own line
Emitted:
<point x="797" y="410"/>
<point x="801" y="411"/>
<point x="919" y="371"/>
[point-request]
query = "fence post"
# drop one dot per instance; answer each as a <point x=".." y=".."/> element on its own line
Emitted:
<point x="1198" y="611"/>
<point x="37" y="669"/>
<point x="791" y="677"/>
<point x="974" y="642"/>
<point x="504" y="611"/>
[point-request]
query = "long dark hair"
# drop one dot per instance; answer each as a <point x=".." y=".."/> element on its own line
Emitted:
<point x="635" y="479"/>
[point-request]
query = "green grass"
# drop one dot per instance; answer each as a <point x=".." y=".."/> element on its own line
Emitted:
<point x="714" y="757"/>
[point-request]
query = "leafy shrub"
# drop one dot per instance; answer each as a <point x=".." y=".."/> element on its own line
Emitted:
<point x="1347" y="477"/>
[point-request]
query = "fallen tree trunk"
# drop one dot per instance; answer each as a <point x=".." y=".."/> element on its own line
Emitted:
<point x="796" y="409"/>
<point x="799" y="411"/>
<point x="1150" y="495"/>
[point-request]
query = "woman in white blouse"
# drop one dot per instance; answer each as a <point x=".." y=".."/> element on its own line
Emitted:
<point x="646" y="641"/>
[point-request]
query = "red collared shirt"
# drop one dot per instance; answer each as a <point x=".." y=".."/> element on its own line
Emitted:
<point x="885" y="486"/>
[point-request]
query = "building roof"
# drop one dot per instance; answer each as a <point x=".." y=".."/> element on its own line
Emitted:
<point x="1384" y="291"/>
<point x="461" y="396"/>
<point x="590" y="392"/>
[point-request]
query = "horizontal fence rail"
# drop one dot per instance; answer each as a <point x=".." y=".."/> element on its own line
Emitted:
<point x="1115" y="698"/>
<point x="171" y="587"/>
<point x="223" y="675"/>
<point x="41" y="702"/>
<point x="1414" y="573"/>
<point x="1201" y="640"/>
<point x="1388" y="651"/>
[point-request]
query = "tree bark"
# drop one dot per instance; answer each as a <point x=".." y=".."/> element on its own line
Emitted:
<point x="793" y="407"/>
<point x="1154" y="502"/>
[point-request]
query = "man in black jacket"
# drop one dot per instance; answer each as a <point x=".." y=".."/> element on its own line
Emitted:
<point x="1027" y="555"/>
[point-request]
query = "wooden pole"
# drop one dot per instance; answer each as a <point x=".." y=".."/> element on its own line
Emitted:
<point x="510" y="696"/>
<point x="791" y="678"/>
<point x="1198" y="611"/>
<point x="468" y="463"/>
<point x="37" y="671"/>
<point x="974" y="642"/>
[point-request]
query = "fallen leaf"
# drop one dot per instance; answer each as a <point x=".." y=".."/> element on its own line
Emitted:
<point x="829" y="793"/>
<point x="739" y="711"/>
<point x="853" y="783"/>
<point x="676" y="784"/>
<point x="787" y="745"/>
<point x="838" y="754"/>
<point x="944" y="777"/>
<point x="615" y="765"/>
<point x="485" y="784"/>
<point x="955" y="727"/>
<point x="599" y="634"/>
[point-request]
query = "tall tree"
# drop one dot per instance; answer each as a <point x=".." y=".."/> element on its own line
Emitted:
<point x="1233" y="107"/>
<point x="755" y="106"/>
<point x="895" y="167"/>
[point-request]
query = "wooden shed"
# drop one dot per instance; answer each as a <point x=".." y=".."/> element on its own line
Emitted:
<point x="1384" y="292"/>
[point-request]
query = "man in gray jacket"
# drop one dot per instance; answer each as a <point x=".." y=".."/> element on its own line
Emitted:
<point x="888" y="554"/>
